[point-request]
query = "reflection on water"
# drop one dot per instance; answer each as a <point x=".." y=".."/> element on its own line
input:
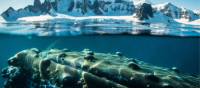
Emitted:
<point x="63" y="27"/>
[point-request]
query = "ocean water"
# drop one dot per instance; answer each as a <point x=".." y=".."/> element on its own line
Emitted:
<point x="156" y="44"/>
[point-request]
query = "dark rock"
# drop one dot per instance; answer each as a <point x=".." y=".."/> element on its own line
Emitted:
<point x="46" y="6"/>
<point x="84" y="6"/>
<point x="96" y="7"/>
<point x="9" y="14"/>
<point x="144" y="32"/>
<point x="118" y="1"/>
<point x="37" y="3"/>
<point x="145" y="11"/>
<point x="71" y="6"/>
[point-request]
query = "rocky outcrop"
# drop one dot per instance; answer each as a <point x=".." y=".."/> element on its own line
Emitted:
<point x="145" y="11"/>
<point x="10" y="14"/>
<point x="36" y="9"/>
<point x="70" y="69"/>
<point x="37" y="4"/>
<point x="31" y="10"/>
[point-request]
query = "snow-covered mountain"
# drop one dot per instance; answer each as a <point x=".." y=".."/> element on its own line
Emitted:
<point x="73" y="8"/>
<point x="175" y="12"/>
<point x="140" y="9"/>
<point x="95" y="7"/>
<point x="197" y="12"/>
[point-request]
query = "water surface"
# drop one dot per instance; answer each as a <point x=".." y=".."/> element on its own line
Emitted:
<point x="157" y="44"/>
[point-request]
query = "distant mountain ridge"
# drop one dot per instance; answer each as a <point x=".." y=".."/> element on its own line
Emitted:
<point x="176" y="12"/>
<point x="143" y="10"/>
<point x="73" y="8"/>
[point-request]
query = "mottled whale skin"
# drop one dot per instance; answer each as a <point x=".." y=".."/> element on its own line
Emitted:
<point x="56" y="68"/>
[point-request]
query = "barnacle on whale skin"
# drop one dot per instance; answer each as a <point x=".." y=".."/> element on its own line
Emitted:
<point x="87" y="69"/>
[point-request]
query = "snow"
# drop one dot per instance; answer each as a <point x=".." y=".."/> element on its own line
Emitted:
<point x="140" y="2"/>
<point x="185" y="21"/>
<point x="160" y="18"/>
<point x="176" y="12"/>
<point x="169" y="8"/>
<point x="2" y="20"/>
<point x="36" y="18"/>
<point x="197" y="11"/>
<point x="62" y="16"/>
<point x="161" y="6"/>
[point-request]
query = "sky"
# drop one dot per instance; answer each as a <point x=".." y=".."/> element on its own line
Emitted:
<point x="190" y="4"/>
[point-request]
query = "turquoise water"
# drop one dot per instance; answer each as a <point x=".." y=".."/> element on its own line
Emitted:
<point x="166" y="46"/>
<point x="165" y="51"/>
<point x="62" y="27"/>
